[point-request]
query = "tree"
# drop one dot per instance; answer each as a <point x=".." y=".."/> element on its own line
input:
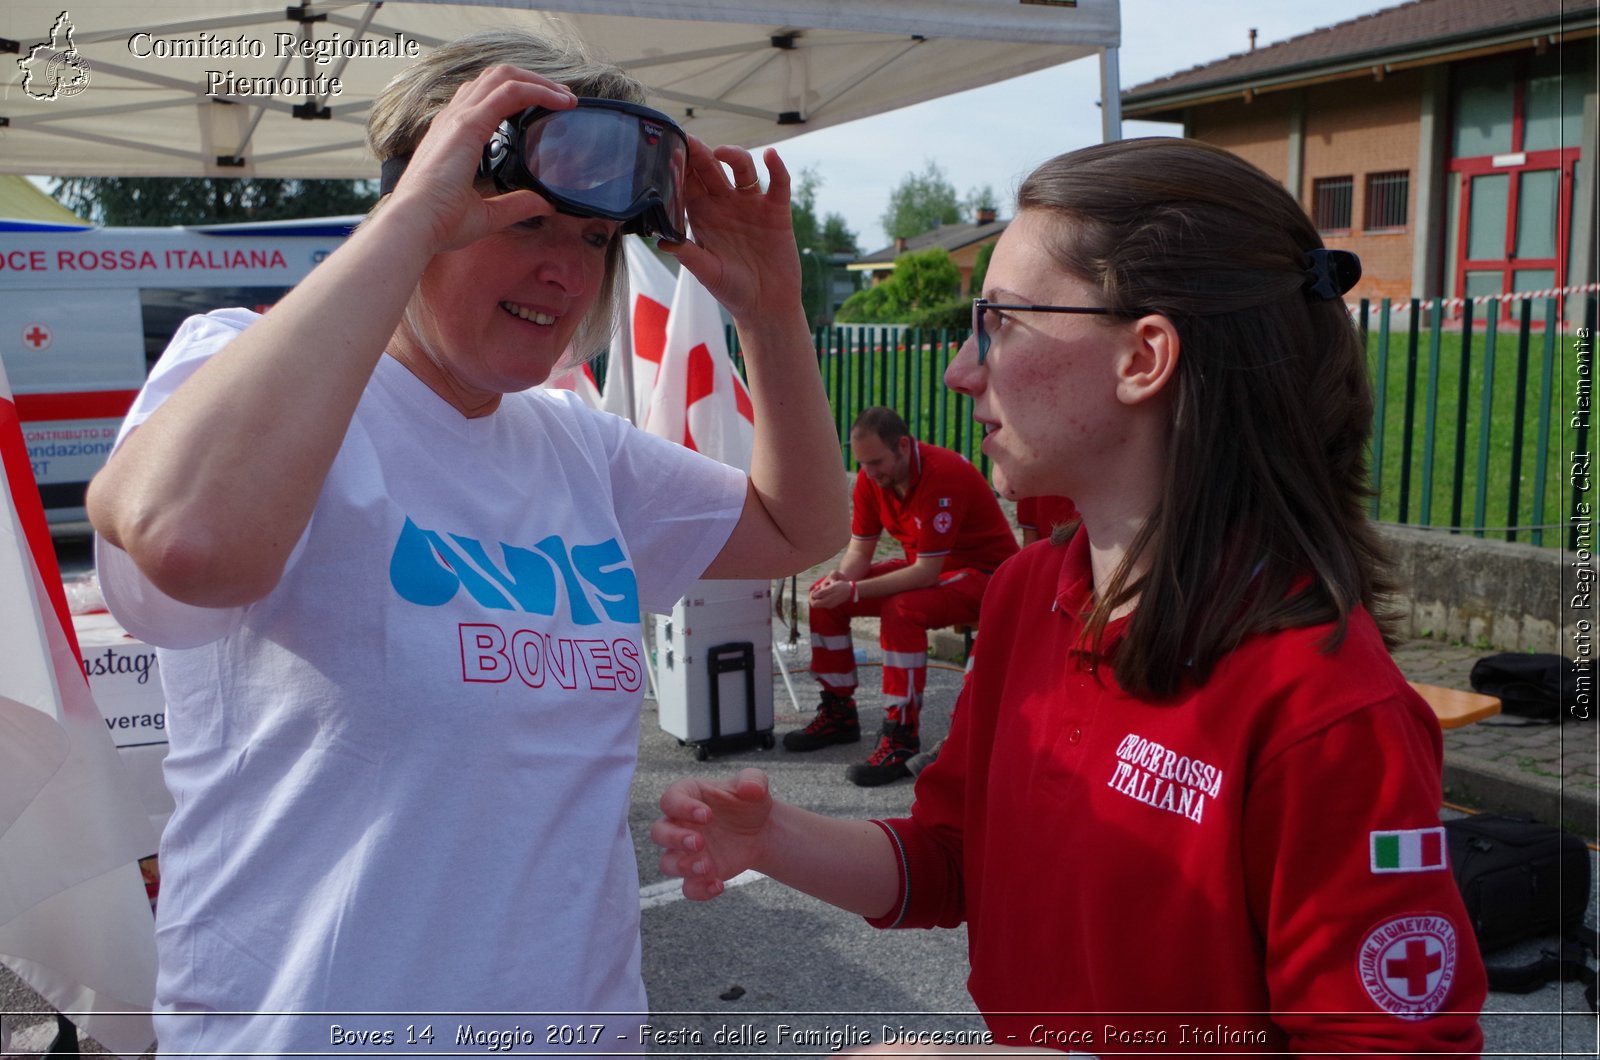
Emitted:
<point x="209" y="200"/>
<point x="817" y="241"/>
<point x="922" y="290"/>
<point x="874" y="305"/>
<point x="921" y="201"/>
<point x="980" y="199"/>
<point x="980" y="269"/>
<point x="837" y="237"/>
<point x="803" y="208"/>
<point x="928" y="277"/>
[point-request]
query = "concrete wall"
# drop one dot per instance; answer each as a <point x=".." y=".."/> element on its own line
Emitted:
<point x="1509" y="597"/>
<point x="1489" y="595"/>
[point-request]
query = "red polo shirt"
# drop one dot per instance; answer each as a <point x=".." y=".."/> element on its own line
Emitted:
<point x="1200" y="874"/>
<point x="949" y="510"/>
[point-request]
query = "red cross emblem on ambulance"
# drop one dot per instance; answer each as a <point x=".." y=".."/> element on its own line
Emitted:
<point x="36" y="337"/>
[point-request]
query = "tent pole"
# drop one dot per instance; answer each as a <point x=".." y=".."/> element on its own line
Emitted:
<point x="624" y="364"/>
<point x="1110" y="96"/>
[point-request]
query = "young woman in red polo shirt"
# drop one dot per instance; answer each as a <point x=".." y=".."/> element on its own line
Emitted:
<point x="1188" y="801"/>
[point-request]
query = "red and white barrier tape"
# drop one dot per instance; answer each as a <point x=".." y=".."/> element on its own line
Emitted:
<point x="1404" y="306"/>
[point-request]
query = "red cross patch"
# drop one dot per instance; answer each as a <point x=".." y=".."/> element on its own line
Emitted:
<point x="1408" y="964"/>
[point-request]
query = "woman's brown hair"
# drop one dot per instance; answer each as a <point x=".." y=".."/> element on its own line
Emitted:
<point x="1260" y="524"/>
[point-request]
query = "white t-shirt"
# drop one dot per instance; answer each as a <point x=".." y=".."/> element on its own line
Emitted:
<point x="402" y="777"/>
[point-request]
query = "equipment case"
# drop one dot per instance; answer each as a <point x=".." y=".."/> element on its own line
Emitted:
<point x="713" y="659"/>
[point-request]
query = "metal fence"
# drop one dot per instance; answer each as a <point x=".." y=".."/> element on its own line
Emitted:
<point x="1482" y="415"/>
<point x="901" y="368"/>
<point x="1481" y="422"/>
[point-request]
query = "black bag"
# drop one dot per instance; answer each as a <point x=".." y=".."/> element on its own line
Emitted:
<point x="1520" y="879"/>
<point x="1524" y="880"/>
<point x="1535" y="685"/>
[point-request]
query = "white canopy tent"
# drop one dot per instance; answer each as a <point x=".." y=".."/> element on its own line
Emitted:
<point x="172" y="87"/>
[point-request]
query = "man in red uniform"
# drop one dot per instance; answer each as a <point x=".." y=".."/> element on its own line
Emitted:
<point x="1039" y="516"/>
<point x="942" y="511"/>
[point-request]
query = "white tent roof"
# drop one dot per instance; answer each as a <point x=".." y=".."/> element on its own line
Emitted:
<point x="743" y="72"/>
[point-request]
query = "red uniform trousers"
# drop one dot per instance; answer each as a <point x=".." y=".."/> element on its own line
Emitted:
<point x="905" y="619"/>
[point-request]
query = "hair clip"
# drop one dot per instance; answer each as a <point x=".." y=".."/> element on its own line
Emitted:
<point x="1330" y="273"/>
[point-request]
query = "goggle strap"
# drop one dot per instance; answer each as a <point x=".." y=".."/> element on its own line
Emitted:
<point x="389" y="173"/>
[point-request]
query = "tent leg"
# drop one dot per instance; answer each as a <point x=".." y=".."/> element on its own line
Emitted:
<point x="794" y="618"/>
<point x="783" y="668"/>
<point x="1110" y="96"/>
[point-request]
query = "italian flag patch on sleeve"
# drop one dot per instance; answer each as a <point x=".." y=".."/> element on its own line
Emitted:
<point x="1419" y="850"/>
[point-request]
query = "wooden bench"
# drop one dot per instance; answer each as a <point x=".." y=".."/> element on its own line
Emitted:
<point x="969" y="632"/>
<point x="1455" y="708"/>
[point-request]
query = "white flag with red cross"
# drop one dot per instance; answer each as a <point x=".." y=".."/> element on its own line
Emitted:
<point x="580" y="380"/>
<point x="641" y="335"/>
<point x="75" y="921"/>
<point x="699" y="399"/>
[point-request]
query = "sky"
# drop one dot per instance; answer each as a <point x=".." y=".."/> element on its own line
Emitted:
<point x="996" y="135"/>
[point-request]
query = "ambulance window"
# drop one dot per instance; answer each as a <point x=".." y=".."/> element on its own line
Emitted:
<point x="164" y="308"/>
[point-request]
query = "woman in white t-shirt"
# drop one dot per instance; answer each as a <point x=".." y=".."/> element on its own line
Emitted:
<point x="397" y="592"/>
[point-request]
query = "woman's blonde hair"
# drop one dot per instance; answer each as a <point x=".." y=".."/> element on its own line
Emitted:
<point x="404" y="109"/>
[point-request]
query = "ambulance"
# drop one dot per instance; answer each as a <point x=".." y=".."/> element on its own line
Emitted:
<point x="86" y="311"/>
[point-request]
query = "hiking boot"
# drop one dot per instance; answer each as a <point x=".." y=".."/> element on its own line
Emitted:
<point x="918" y="762"/>
<point x="835" y="722"/>
<point x="888" y="763"/>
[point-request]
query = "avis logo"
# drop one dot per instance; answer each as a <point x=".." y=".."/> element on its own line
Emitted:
<point x="429" y="568"/>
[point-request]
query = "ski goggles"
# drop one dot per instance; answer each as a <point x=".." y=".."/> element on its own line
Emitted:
<point x="603" y="158"/>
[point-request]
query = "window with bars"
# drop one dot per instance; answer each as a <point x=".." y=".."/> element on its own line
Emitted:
<point x="1387" y="195"/>
<point x="1331" y="200"/>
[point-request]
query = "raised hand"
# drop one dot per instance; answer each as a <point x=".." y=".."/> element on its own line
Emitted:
<point x="711" y="831"/>
<point x="742" y="237"/>
<point x="438" y="188"/>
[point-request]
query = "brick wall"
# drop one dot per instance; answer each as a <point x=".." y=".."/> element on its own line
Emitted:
<point x="1353" y="127"/>
<point x="1356" y="128"/>
<point x="1257" y="132"/>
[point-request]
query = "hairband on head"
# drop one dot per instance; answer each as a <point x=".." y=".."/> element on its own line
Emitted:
<point x="1330" y="273"/>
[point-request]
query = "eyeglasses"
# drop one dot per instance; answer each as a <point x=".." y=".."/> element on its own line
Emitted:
<point x="982" y="306"/>
<point x="602" y="158"/>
